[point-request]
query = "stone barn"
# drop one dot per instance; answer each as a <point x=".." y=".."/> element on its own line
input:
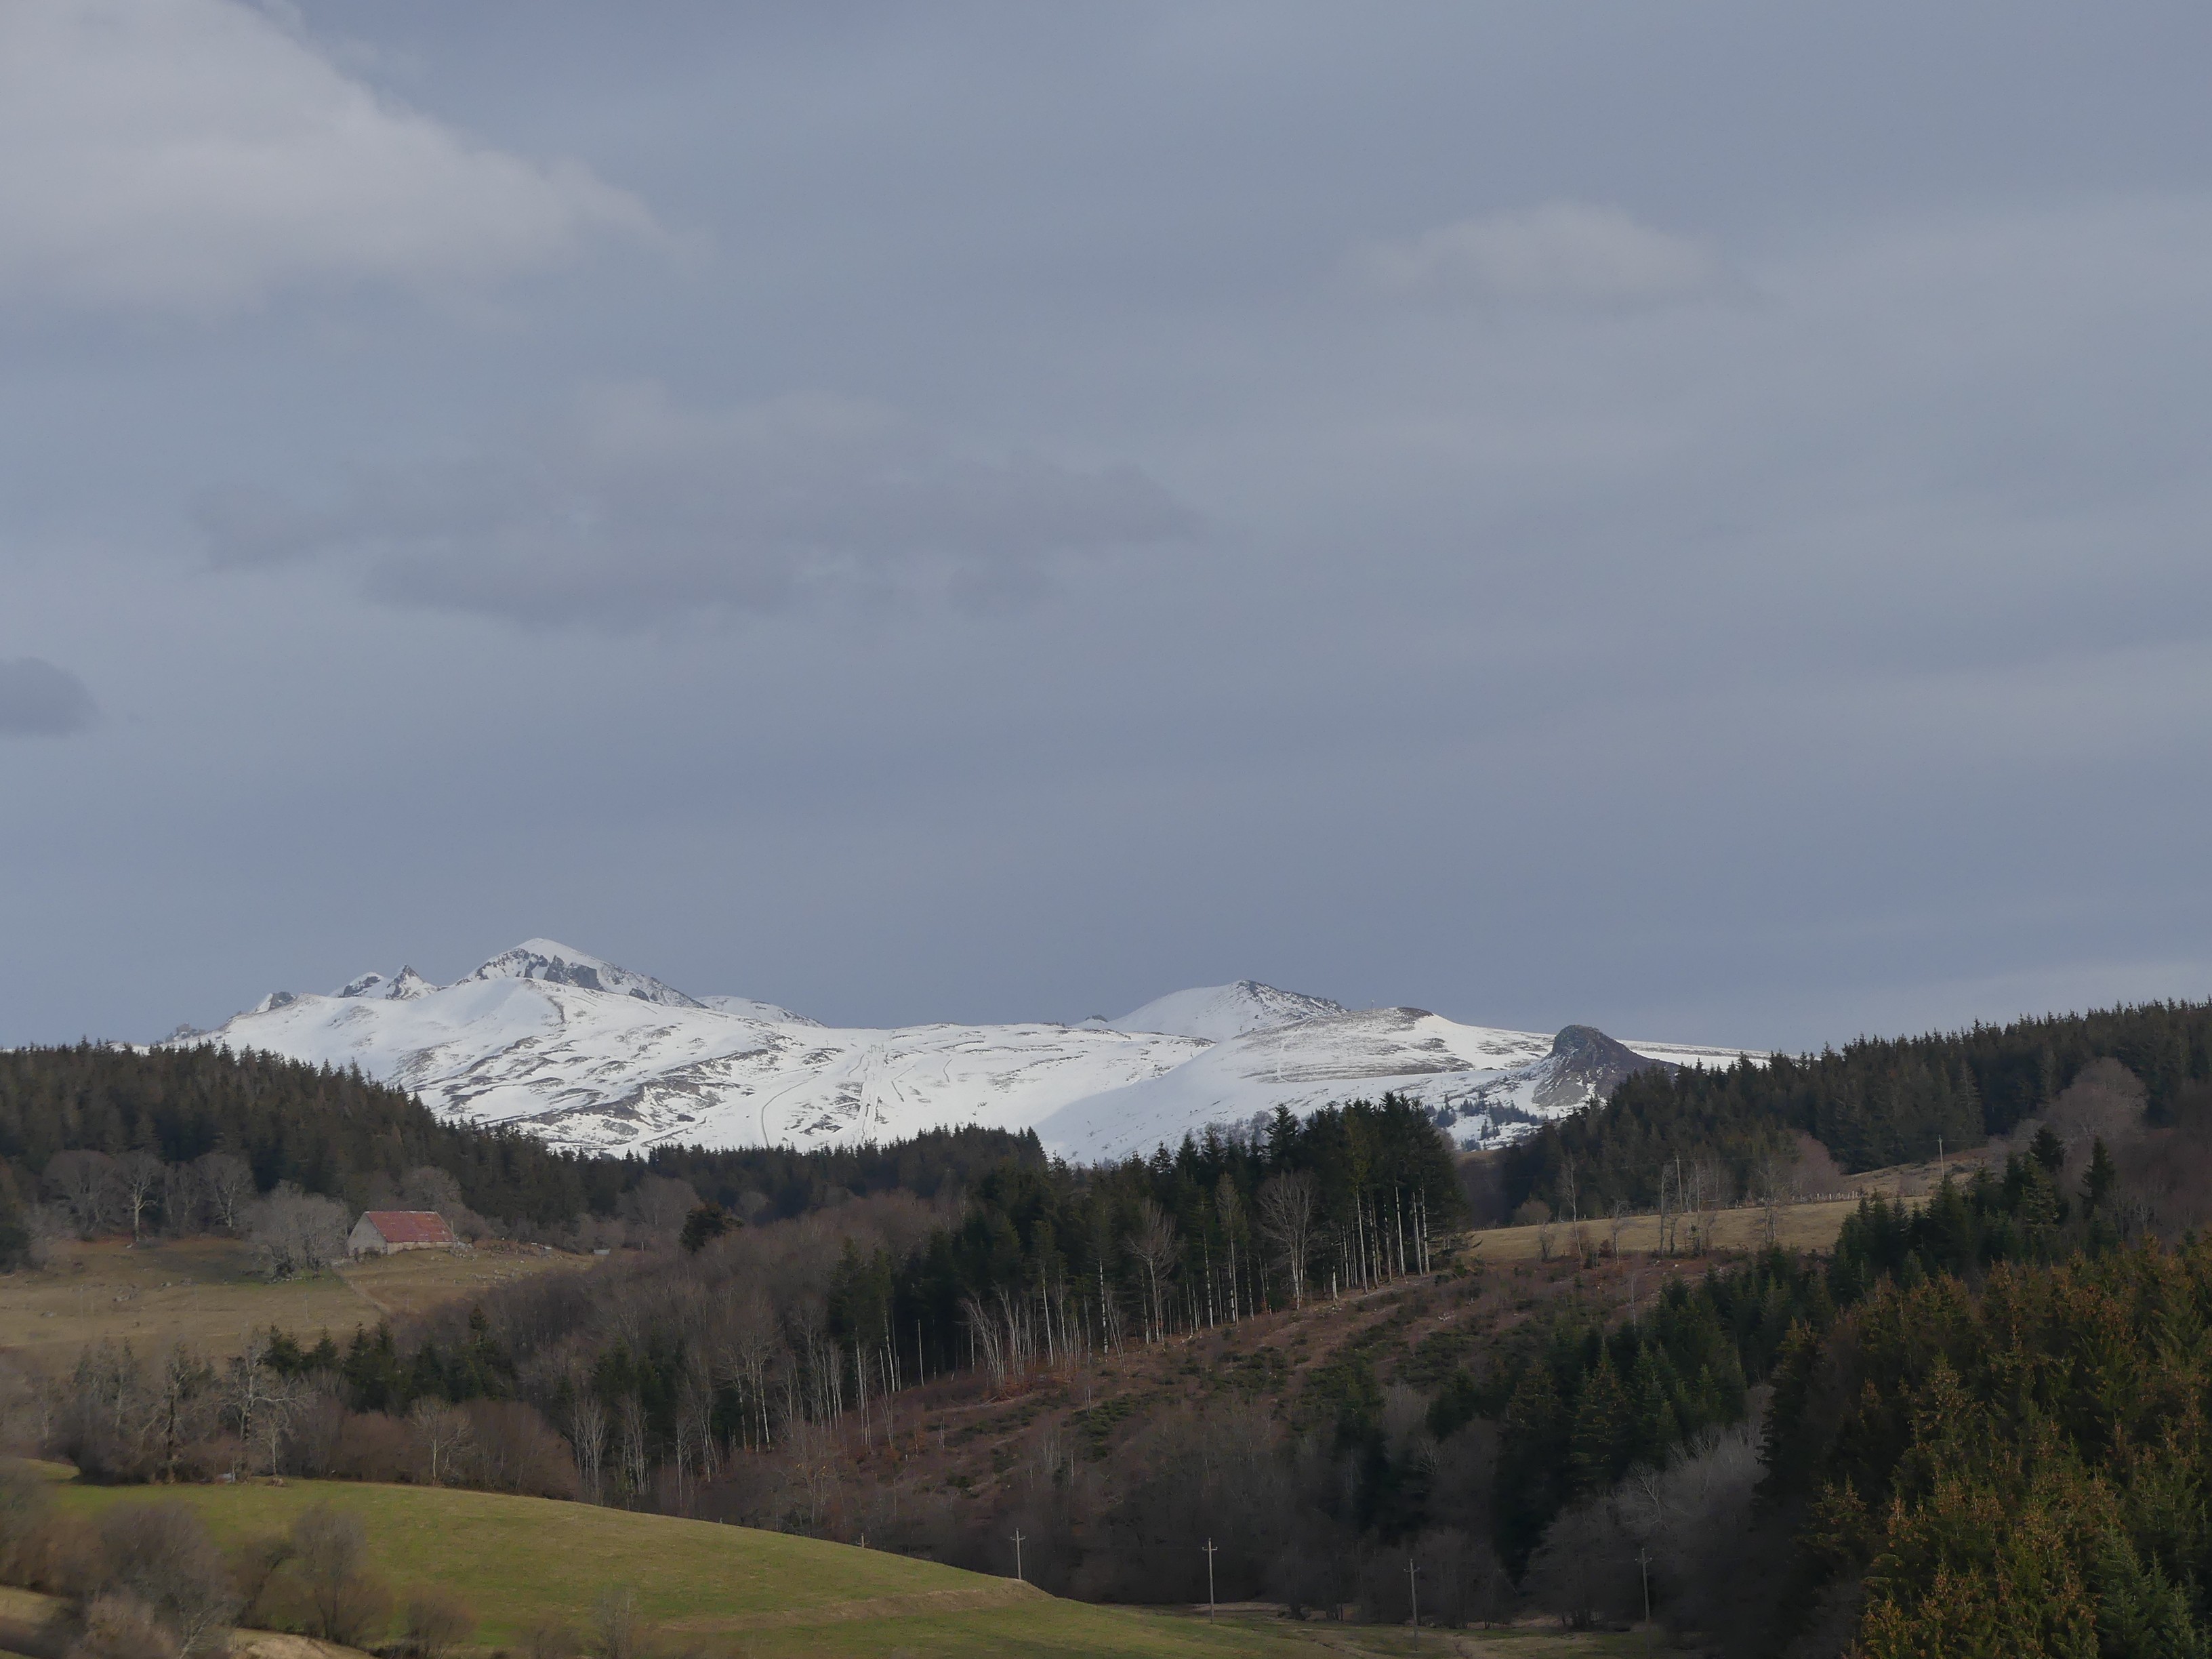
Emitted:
<point x="380" y="1232"/>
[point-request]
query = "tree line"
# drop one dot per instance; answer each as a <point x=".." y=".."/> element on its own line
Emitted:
<point x="1951" y="1363"/>
<point x="1870" y="1103"/>
<point x="1053" y="1257"/>
<point x="96" y="1139"/>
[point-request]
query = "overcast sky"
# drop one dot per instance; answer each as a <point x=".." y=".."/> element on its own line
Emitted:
<point x="1690" y="519"/>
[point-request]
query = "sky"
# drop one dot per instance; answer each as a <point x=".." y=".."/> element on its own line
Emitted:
<point x="1690" y="519"/>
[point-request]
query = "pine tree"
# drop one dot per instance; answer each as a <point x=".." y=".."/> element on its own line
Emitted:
<point x="2097" y="1185"/>
<point x="1604" y="1436"/>
<point x="1652" y="1388"/>
<point x="2141" y="1615"/>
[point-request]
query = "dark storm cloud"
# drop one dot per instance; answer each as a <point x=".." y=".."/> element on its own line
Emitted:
<point x="37" y="700"/>
<point x="638" y="510"/>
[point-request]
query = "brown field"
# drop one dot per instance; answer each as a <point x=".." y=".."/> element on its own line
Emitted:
<point x="203" y="1291"/>
<point x="1810" y="1224"/>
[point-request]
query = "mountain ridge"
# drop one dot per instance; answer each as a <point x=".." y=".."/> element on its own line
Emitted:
<point x="594" y="1057"/>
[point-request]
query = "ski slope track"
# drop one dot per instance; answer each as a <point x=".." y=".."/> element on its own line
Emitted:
<point x="596" y="1058"/>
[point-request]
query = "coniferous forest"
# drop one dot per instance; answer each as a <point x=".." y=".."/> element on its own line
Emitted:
<point x="1871" y="1103"/>
<point x="336" y="1135"/>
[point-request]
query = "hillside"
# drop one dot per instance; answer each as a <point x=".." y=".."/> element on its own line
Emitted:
<point x="591" y="1057"/>
<point x="205" y="1292"/>
<point x="222" y="1128"/>
<point x="517" y="1562"/>
<point x="1870" y="1103"/>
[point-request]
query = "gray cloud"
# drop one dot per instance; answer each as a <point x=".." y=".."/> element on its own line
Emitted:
<point x="1566" y="252"/>
<point x="37" y="700"/>
<point x="1567" y="643"/>
<point x="636" y="510"/>
<point x="196" y="156"/>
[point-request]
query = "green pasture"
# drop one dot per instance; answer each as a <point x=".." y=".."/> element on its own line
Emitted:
<point x="516" y="1561"/>
<point x="720" y="1590"/>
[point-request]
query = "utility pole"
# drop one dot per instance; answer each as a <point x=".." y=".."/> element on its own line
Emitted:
<point x="1209" y="1578"/>
<point x="1644" y="1560"/>
<point x="1018" y="1553"/>
<point x="1413" y="1584"/>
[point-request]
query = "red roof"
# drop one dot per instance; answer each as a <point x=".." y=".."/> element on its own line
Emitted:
<point x="411" y="1226"/>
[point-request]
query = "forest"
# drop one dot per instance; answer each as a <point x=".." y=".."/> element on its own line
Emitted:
<point x="181" y="1140"/>
<point x="1870" y="1104"/>
<point x="1788" y="1452"/>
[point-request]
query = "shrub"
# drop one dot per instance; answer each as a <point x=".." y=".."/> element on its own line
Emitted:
<point x="26" y="1513"/>
<point x="344" y="1602"/>
<point x="159" y="1556"/>
<point x="118" y="1625"/>
<point x="437" y="1621"/>
<point x="517" y="1450"/>
<point x="618" y="1632"/>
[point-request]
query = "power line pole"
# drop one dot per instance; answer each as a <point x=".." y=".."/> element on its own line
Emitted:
<point x="1643" y="1561"/>
<point x="1209" y="1578"/>
<point x="1018" y="1553"/>
<point x="1414" y="1583"/>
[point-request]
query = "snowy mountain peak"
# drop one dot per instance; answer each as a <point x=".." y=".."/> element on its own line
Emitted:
<point x="1216" y="1013"/>
<point x="558" y="964"/>
<point x="594" y="1057"/>
<point x="409" y="986"/>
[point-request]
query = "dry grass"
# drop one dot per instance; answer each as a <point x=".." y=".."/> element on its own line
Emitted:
<point x="1810" y="1225"/>
<point x="1797" y="1226"/>
<point x="203" y="1291"/>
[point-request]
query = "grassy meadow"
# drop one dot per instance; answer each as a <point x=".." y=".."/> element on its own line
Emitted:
<point x="732" y="1591"/>
<point x="203" y="1291"/>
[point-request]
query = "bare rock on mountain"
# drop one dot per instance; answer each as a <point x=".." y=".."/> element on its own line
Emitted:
<point x="1585" y="1064"/>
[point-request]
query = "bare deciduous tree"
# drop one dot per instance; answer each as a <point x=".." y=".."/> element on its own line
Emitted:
<point x="1228" y="1211"/>
<point x="659" y="1205"/>
<point x="1773" y="1180"/>
<point x="1153" y="1244"/>
<point x="587" y="1433"/>
<point x="296" y="1232"/>
<point x="260" y="1402"/>
<point x="632" y="1444"/>
<point x="1288" y="1204"/>
<point x="226" y="1187"/>
<point x="137" y="1176"/>
<point x="79" y="1181"/>
<point x="442" y="1435"/>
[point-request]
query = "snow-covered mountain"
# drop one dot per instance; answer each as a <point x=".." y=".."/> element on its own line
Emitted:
<point x="597" y="1058"/>
<point x="1220" y="1012"/>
